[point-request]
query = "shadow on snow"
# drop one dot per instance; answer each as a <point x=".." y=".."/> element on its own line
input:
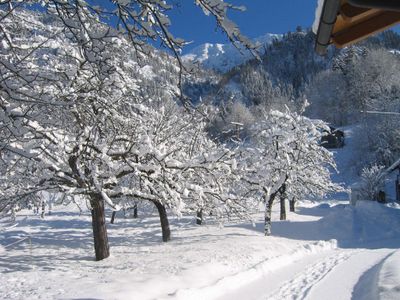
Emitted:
<point x="70" y="239"/>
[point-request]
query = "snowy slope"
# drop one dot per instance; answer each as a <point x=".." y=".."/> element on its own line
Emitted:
<point x="345" y="159"/>
<point x="349" y="162"/>
<point x="223" y="57"/>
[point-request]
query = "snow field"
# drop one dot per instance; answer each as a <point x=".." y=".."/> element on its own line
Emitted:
<point x="199" y="260"/>
<point x="207" y="262"/>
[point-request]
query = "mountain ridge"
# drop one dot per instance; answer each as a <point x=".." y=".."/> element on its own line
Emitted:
<point x="223" y="57"/>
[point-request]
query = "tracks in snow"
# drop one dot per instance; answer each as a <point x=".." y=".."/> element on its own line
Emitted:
<point x="299" y="287"/>
<point x="323" y="273"/>
<point x="342" y="274"/>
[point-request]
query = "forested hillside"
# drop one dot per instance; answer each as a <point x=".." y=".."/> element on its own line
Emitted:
<point x="338" y="89"/>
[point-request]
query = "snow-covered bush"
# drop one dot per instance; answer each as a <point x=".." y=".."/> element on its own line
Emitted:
<point x="233" y="122"/>
<point x="372" y="182"/>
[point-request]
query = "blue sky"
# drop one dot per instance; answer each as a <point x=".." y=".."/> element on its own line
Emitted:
<point x="262" y="16"/>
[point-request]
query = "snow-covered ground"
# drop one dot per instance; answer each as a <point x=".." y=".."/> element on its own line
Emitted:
<point x="326" y="251"/>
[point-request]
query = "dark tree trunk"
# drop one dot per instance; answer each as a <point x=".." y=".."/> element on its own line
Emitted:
<point x="135" y="212"/>
<point x="282" y="197"/>
<point x="268" y="207"/>
<point x="101" y="246"/>
<point x="43" y="209"/>
<point x="283" y="208"/>
<point x="166" y="232"/>
<point x="113" y="217"/>
<point x="292" y="204"/>
<point x="267" y="216"/>
<point x="199" y="217"/>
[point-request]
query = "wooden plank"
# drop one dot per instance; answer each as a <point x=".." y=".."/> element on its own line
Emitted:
<point x="347" y="34"/>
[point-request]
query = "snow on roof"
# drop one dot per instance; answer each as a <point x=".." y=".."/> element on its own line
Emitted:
<point x="318" y="12"/>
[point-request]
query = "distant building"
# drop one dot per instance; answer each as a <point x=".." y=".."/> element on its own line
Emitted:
<point x="392" y="168"/>
<point x="333" y="139"/>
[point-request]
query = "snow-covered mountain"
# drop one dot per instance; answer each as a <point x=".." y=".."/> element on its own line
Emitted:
<point x="223" y="57"/>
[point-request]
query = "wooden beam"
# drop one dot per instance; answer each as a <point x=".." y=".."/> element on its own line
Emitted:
<point x="349" y="16"/>
<point x="351" y="13"/>
<point x="346" y="35"/>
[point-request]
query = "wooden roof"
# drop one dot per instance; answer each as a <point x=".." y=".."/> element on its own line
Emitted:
<point x="355" y="23"/>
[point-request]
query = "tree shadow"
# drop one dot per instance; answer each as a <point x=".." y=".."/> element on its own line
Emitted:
<point x="49" y="262"/>
<point x="45" y="238"/>
<point x="70" y="239"/>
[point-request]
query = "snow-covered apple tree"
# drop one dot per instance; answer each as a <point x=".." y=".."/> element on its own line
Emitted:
<point x="73" y="119"/>
<point x="287" y="160"/>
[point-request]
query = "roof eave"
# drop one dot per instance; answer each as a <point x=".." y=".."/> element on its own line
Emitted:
<point x="326" y="23"/>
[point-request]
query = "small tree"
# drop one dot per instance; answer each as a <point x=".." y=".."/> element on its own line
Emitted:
<point x="372" y="182"/>
<point x="288" y="161"/>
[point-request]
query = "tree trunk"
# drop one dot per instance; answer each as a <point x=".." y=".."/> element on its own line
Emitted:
<point x="283" y="207"/>
<point x="282" y="197"/>
<point x="166" y="232"/>
<point x="13" y="214"/>
<point x="43" y="209"/>
<point x="101" y="246"/>
<point x="292" y="204"/>
<point x="267" y="215"/>
<point x="113" y="217"/>
<point x="135" y="212"/>
<point x="199" y="217"/>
